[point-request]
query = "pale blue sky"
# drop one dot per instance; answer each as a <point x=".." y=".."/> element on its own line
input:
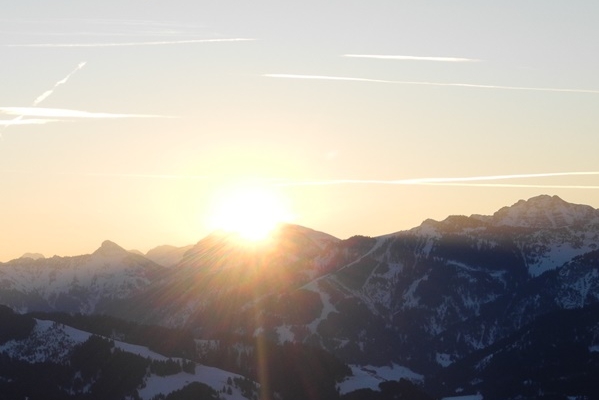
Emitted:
<point x="202" y="95"/>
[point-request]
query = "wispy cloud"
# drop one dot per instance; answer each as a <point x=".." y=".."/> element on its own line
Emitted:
<point x="66" y="113"/>
<point x="129" y="44"/>
<point x="412" y="58"/>
<point x="473" y="181"/>
<point x="424" y="83"/>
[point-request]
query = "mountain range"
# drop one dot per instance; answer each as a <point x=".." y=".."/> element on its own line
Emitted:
<point x="497" y="306"/>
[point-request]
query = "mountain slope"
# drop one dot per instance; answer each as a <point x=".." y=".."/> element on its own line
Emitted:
<point x="57" y="361"/>
<point x="219" y="276"/>
<point x="432" y="295"/>
<point x="535" y="360"/>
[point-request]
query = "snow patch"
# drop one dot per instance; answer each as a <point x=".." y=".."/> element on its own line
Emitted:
<point x="575" y="294"/>
<point x="284" y="334"/>
<point x="369" y="377"/>
<point x="556" y="256"/>
<point x="443" y="359"/>
<point x="327" y="306"/>
<point x="410" y="300"/>
<point x="141" y="351"/>
<point x="213" y="377"/>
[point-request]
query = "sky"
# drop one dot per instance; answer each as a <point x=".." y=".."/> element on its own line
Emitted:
<point x="133" y="120"/>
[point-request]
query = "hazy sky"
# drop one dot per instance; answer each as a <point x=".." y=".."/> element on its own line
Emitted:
<point x="126" y="120"/>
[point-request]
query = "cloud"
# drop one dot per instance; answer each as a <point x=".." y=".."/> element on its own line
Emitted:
<point x="412" y="58"/>
<point x="473" y="181"/>
<point x="129" y="44"/>
<point x="66" y="113"/>
<point x="424" y="83"/>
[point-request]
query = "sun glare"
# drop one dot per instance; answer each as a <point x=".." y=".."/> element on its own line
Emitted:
<point x="251" y="212"/>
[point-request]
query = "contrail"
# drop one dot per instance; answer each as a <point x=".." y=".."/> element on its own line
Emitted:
<point x="496" y="177"/>
<point x="47" y="93"/>
<point x="424" y="83"/>
<point x="455" y="181"/>
<point x="66" y="113"/>
<point x="20" y="121"/>
<point x="126" y="44"/>
<point x="43" y="96"/>
<point x="327" y="78"/>
<point x="470" y="181"/>
<point x="514" y="185"/>
<point x="412" y="58"/>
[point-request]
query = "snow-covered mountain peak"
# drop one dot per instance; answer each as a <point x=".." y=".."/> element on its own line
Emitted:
<point x="544" y="212"/>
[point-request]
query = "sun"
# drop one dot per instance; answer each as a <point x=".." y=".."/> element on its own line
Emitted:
<point x="249" y="211"/>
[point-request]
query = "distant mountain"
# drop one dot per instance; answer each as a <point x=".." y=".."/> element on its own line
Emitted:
<point x="433" y="299"/>
<point x="33" y="256"/>
<point x="166" y="255"/>
<point x="75" y="284"/>
<point x="544" y="212"/>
